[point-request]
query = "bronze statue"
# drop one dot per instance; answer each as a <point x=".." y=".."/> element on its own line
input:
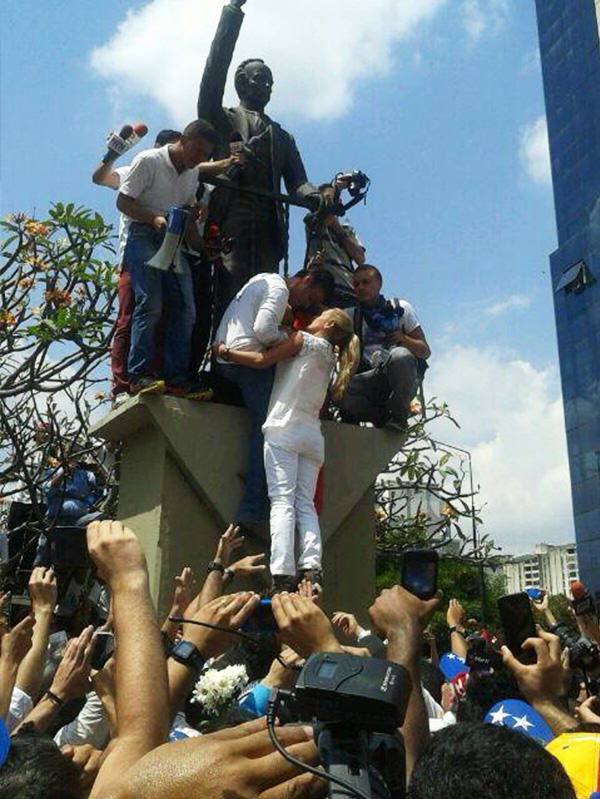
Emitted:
<point x="253" y="226"/>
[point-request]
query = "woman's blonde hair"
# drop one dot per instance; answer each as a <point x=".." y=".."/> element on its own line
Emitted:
<point x="342" y="337"/>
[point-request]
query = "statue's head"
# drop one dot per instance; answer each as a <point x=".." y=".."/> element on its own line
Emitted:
<point x="253" y="83"/>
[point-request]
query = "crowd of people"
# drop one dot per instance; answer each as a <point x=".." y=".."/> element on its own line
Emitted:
<point x="109" y="703"/>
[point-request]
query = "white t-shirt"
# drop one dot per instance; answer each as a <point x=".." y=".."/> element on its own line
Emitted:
<point x="372" y="340"/>
<point x="153" y="181"/>
<point x="298" y="395"/>
<point x="252" y="318"/>
<point x="121" y="172"/>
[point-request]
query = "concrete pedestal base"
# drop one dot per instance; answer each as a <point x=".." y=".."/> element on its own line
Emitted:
<point x="182" y="479"/>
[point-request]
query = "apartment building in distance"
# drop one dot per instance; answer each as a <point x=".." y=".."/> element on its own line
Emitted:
<point x="552" y="567"/>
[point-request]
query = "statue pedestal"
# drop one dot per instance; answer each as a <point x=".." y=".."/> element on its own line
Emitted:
<point x="181" y="480"/>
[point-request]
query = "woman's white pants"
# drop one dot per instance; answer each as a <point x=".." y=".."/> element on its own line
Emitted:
<point x="291" y="480"/>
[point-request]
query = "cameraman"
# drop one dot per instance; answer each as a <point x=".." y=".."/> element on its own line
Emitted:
<point x="393" y="355"/>
<point x="332" y="245"/>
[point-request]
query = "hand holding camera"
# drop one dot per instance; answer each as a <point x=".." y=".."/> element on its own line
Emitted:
<point x="228" y="612"/>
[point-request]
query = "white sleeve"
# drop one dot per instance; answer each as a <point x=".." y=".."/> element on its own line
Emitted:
<point x="21" y="706"/>
<point x="434" y="711"/>
<point x="139" y="178"/>
<point x="409" y="317"/>
<point x="90" y="727"/>
<point x="121" y="172"/>
<point x="270" y="313"/>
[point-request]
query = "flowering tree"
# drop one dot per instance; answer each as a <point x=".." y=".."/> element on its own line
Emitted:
<point x="424" y="500"/>
<point x="57" y="290"/>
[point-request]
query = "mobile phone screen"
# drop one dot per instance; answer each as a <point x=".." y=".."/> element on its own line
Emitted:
<point x="518" y="624"/>
<point x="419" y="573"/>
<point x="104" y="644"/>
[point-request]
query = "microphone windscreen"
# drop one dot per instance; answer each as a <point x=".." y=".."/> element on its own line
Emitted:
<point x="140" y="129"/>
<point x="578" y="590"/>
<point x="125" y="132"/>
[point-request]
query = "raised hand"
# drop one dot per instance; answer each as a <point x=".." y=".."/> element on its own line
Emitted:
<point x="346" y="622"/>
<point x="183" y="593"/>
<point x="229" y="612"/>
<point x="455" y="615"/>
<point x="251" y="564"/>
<point x="73" y="674"/>
<point x="17" y="643"/>
<point x="116" y="551"/>
<point x="42" y="589"/>
<point x="545" y="679"/>
<point x="312" y="591"/>
<point x="303" y="625"/>
<point x="229" y="542"/>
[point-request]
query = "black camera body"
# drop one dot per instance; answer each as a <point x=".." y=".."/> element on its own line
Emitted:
<point x="583" y="653"/>
<point x="356" y="706"/>
<point x="356" y="181"/>
<point x="364" y="693"/>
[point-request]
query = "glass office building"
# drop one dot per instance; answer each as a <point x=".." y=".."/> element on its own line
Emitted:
<point x="570" y="53"/>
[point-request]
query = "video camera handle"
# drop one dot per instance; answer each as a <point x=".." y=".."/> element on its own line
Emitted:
<point x="333" y="779"/>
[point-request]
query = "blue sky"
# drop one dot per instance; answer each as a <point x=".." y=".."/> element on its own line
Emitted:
<point x="436" y="100"/>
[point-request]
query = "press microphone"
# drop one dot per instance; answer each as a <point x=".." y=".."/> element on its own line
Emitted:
<point x="125" y="139"/>
<point x="236" y="147"/>
<point x="583" y="604"/>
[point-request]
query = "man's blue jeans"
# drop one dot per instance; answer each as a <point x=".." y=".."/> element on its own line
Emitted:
<point x="255" y="385"/>
<point x="156" y="293"/>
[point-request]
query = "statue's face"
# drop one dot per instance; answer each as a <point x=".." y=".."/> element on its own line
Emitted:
<point x="256" y="88"/>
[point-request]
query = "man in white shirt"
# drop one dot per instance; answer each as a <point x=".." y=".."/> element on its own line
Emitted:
<point x="111" y="176"/>
<point x="158" y="180"/>
<point x="393" y="355"/>
<point x="252" y="322"/>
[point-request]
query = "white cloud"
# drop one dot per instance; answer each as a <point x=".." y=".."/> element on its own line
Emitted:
<point x="534" y="151"/>
<point x="511" y="303"/>
<point x="511" y="420"/>
<point x="481" y="17"/>
<point x="319" y="51"/>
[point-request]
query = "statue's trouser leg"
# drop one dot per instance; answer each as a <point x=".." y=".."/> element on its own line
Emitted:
<point x="242" y="262"/>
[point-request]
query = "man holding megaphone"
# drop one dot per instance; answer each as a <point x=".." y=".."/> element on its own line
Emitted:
<point x="158" y="180"/>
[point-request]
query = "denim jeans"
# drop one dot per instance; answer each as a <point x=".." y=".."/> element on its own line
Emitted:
<point x="158" y="292"/>
<point x="255" y="385"/>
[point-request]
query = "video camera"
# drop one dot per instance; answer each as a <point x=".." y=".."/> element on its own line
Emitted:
<point x="356" y="706"/>
<point x="583" y="653"/>
<point x="355" y="182"/>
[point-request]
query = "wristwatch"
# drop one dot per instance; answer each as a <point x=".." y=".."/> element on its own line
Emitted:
<point x="186" y="653"/>
<point x="214" y="566"/>
<point x="454" y="629"/>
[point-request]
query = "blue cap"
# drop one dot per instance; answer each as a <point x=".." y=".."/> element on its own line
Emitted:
<point x="518" y="715"/>
<point x="452" y="664"/>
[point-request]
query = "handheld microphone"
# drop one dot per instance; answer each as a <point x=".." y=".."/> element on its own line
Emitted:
<point x="139" y="129"/>
<point x="583" y="604"/>
<point x="125" y="139"/>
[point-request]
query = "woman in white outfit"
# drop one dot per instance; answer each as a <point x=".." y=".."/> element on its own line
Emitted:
<point x="294" y="449"/>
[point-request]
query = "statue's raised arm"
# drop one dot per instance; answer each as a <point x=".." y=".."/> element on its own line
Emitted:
<point x="212" y="85"/>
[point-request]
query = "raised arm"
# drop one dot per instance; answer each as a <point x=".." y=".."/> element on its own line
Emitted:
<point x="261" y="360"/>
<point x="42" y="590"/>
<point x="212" y="85"/>
<point x="141" y="676"/>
